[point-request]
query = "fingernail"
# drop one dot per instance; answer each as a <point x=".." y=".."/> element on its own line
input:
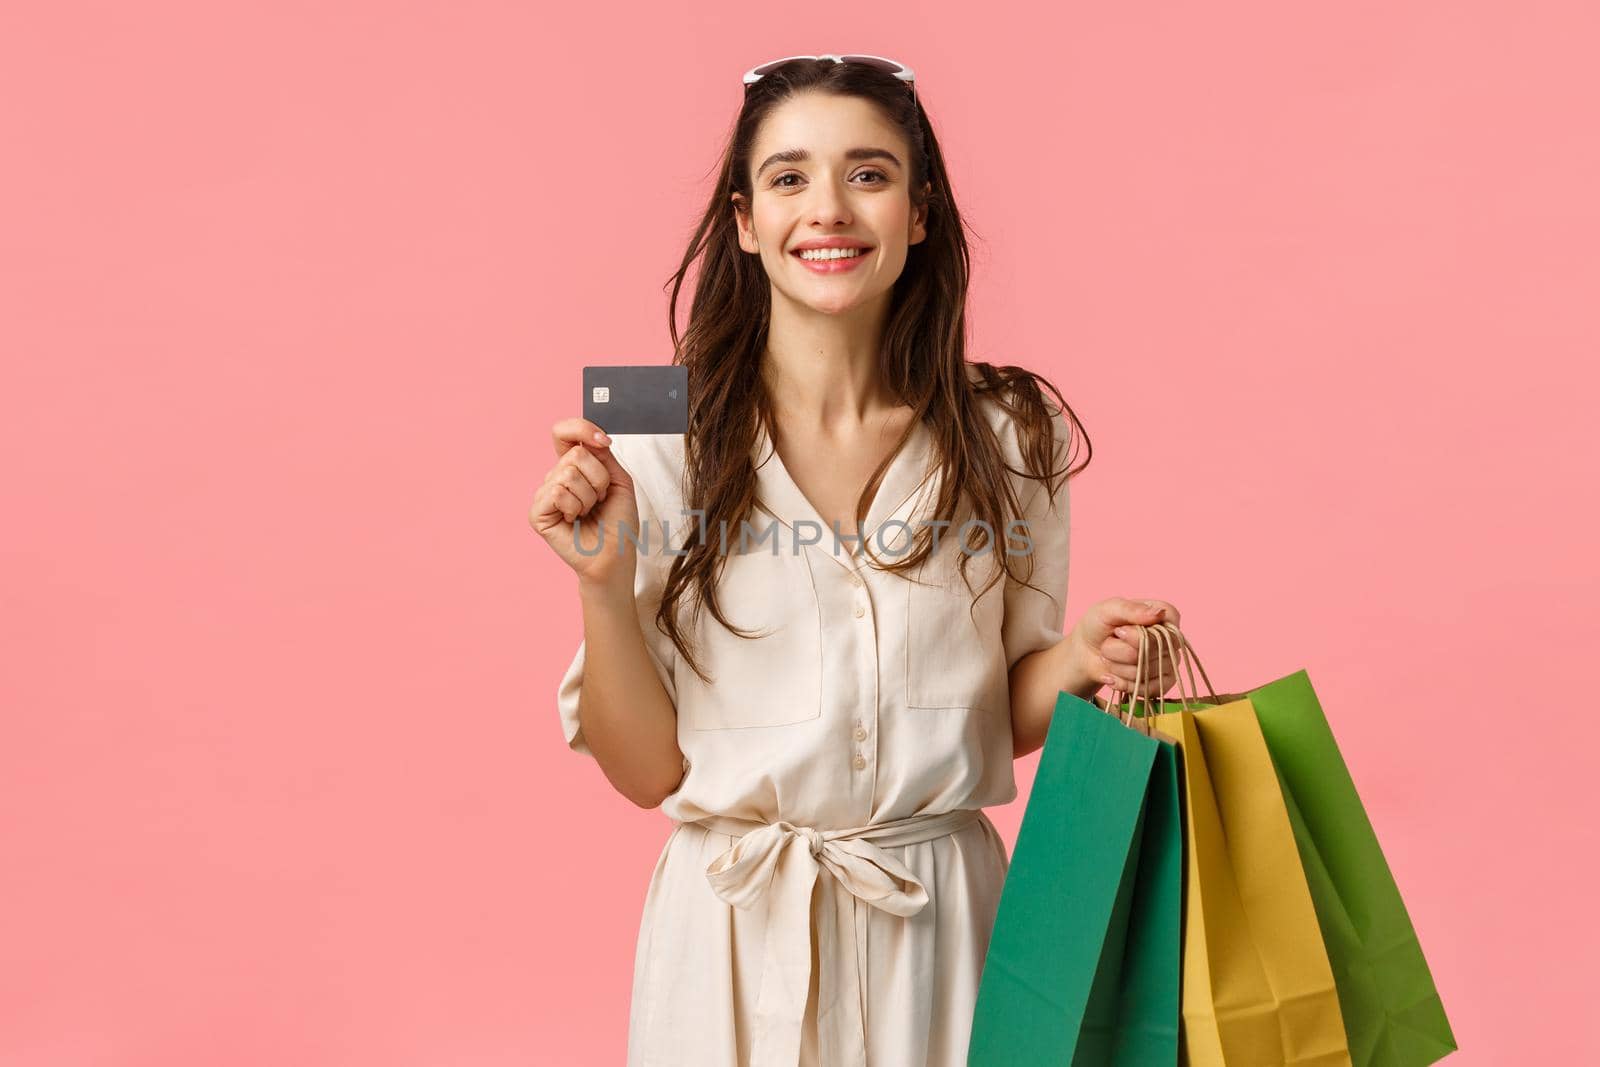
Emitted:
<point x="1121" y="631"/>
<point x="602" y="438"/>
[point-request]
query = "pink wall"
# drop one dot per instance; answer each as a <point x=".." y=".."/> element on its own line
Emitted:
<point x="290" y="294"/>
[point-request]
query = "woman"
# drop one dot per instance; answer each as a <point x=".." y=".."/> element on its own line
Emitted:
<point x="827" y="890"/>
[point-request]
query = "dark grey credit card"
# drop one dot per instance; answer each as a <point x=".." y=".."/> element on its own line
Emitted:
<point x="637" y="399"/>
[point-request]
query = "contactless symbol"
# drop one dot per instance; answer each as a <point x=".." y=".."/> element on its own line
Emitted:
<point x="602" y="394"/>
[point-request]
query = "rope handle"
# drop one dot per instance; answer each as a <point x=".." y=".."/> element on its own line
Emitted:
<point x="1184" y="658"/>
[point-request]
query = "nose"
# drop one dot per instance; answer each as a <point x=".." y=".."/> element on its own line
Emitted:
<point x="829" y="206"/>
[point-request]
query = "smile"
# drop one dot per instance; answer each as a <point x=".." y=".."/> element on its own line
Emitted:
<point x="831" y="260"/>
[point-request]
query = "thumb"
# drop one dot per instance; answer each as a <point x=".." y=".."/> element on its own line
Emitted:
<point x="1139" y="612"/>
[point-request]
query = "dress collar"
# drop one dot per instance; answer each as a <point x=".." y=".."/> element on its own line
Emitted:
<point x="779" y="496"/>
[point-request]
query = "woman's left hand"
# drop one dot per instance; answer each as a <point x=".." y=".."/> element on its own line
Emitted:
<point x="1106" y="644"/>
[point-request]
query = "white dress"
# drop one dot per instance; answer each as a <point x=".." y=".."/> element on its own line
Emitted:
<point x="828" y="887"/>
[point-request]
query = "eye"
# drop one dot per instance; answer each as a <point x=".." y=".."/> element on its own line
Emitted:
<point x="779" y="183"/>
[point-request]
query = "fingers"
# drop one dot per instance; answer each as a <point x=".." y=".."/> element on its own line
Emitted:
<point x="570" y="431"/>
<point x="1159" y="676"/>
<point x="1123" y="612"/>
<point x="1153" y="689"/>
<point x="1121" y="667"/>
<point x="1162" y="675"/>
<point x="1158" y="641"/>
<point x="1113" y="629"/>
<point x="596" y="473"/>
<point x="565" y="492"/>
<point x="1124" y="618"/>
<point x="1127" y="653"/>
<point x="567" y="434"/>
<point x="585" y="473"/>
<point x="1169" y="613"/>
<point x="579" y="479"/>
<point x="553" y="505"/>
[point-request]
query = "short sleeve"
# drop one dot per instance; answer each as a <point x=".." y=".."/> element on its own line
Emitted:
<point x="1033" y="620"/>
<point x="648" y="584"/>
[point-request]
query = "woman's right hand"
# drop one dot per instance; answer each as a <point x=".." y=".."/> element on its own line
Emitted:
<point x="588" y="483"/>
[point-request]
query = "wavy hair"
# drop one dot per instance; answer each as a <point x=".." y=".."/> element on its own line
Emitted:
<point x="922" y="362"/>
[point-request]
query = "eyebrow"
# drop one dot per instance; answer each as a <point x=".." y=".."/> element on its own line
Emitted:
<point x="800" y="155"/>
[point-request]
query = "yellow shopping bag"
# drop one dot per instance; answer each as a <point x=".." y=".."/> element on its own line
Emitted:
<point x="1257" y="987"/>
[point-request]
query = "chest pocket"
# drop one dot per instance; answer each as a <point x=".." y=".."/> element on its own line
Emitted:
<point x="954" y="654"/>
<point x="774" y="677"/>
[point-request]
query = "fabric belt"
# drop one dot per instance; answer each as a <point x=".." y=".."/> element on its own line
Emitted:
<point x="784" y="862"/>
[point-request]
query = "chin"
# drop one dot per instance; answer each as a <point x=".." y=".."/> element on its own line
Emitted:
<point x="833" y="307"/>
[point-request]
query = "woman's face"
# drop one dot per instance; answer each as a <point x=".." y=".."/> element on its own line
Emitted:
<point x="851" y="187"/>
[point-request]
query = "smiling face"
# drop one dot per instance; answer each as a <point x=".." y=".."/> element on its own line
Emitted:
<point x="831" y="178"/>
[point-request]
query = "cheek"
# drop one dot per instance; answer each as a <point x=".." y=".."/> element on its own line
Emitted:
<point x="894" y="217"/>
<point x="769" y="230"/>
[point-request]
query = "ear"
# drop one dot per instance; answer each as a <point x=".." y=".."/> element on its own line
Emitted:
<point x="919" y="215"/>
<point x="741" y="219"/>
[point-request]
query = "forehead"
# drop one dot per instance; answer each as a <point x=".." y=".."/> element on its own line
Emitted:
<point x="825" y="125"/>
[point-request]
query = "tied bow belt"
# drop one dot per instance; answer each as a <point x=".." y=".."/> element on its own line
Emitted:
<point x="784" y="862"/>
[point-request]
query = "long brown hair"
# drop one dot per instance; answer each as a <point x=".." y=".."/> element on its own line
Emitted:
<point x="923" y="355"/>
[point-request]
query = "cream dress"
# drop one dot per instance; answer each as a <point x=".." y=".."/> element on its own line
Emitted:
<point x="827" y="889"/>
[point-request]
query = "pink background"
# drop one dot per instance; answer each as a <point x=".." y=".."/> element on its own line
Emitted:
<point x="291" y="293"/>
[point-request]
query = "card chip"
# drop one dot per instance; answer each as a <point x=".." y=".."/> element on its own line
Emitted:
<point x="602" y="394"/>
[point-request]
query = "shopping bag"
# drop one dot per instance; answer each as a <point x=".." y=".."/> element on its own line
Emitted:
<point x="1392" y="1012"/>
<point x="1082" y="967"/>
<point x="1258" y="988"/>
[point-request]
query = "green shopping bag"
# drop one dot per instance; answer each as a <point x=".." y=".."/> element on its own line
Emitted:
<point x="1082" y="965"/>
<point x="1392" y="1013"/>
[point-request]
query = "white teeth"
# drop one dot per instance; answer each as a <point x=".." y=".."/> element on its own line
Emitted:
<point x="830" y="253"/>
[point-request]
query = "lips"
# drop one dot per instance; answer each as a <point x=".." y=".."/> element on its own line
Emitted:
<point x="833" y="266"/>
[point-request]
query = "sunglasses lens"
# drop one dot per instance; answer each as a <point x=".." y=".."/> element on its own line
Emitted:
<point x="768" y="68"/>
<point x="888" y="66"/>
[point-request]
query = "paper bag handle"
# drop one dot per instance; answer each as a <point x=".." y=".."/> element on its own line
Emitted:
<point x="1185" y="660"/>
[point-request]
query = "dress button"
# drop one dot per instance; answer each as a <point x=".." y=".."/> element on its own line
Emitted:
<point x="861" y="733"/>
<point x="861" y="761"/>
<point x="861" y="609"/>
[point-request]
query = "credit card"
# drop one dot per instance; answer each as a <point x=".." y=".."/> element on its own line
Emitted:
<point x="637" y="399"/>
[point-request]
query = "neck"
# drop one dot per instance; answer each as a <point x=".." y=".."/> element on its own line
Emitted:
<point x="821" y="371"/>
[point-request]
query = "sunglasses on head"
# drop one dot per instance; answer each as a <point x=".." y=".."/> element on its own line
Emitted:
<point x="888" y="66"/>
